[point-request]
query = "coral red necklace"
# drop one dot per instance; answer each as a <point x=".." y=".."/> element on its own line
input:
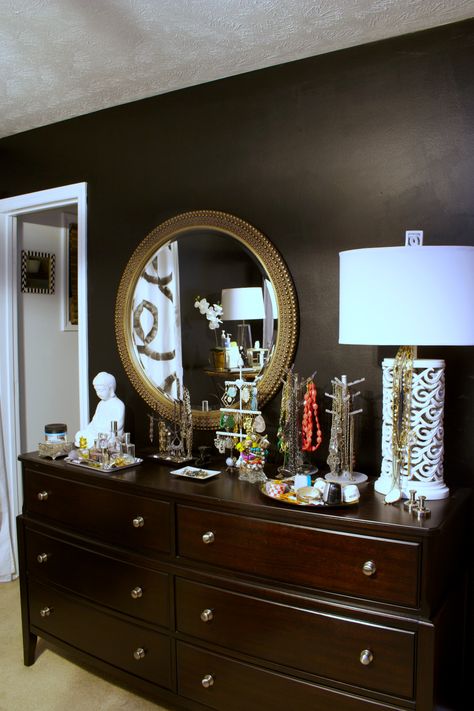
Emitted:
<point x="310" y="429"/>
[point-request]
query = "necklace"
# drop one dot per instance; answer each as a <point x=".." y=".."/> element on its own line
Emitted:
<point x="310" y="429"/>
<point x="401" y="407"/>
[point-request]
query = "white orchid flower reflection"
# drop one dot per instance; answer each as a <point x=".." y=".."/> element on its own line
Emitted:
<point x="202" y="304"/>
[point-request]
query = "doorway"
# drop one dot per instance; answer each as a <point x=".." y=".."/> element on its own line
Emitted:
<point x="35" y="223"/>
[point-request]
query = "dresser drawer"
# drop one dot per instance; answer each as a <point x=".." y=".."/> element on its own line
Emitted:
<point x="327" y="645"/>
<point x="133" y="590"/>
<point x="311" y="557"/>
<point x="221" y="683"/>
<point x="100" y="634"/>
<point x="131" y="521"/>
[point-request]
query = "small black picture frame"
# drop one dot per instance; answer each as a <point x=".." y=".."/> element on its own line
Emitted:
<point x="37" y="272"/>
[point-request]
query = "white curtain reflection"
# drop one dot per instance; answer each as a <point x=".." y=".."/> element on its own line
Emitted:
<point x="157" y="321"/>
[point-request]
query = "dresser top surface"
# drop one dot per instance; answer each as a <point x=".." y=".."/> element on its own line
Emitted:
<point x="228" y="493"/>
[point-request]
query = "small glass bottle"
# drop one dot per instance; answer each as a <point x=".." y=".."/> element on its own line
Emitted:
<point x="114" y="443"/>
<point x="128" y="449"/>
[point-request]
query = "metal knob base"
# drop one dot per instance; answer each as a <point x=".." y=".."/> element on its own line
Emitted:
<point x="411" y="503"/>
<point x="421" y="509"/>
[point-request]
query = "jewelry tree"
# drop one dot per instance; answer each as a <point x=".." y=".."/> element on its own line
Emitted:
<point x="341" y="444"/>
<point x="242" y="427"/>
<point x="299" y="430"/>
<point x="175" y="439"/>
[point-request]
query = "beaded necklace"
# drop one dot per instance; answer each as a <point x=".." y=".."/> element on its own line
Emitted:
<point x="310" y="428"/>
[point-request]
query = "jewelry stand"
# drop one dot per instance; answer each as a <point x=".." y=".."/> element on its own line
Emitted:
<point x="292" y="440"/>
<point x="288" y="431"/>
<point x="175" y="439"/>
<point x="246" y="417"/>
<point x="341" y="444"/>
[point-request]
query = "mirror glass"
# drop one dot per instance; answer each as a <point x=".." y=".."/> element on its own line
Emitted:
<point x="193" y="261"/>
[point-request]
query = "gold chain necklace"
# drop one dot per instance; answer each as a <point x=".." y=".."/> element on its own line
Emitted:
<point x="401" y="406"/>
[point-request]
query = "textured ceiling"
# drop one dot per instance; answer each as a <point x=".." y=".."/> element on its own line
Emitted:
<point x="64" y="58"/>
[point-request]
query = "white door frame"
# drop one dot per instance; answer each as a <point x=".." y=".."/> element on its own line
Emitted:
<point x="10" y="210"/>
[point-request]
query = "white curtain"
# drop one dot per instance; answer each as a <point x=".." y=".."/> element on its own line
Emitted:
<point x="7" y="565"/>
<point x="157" y="320"/>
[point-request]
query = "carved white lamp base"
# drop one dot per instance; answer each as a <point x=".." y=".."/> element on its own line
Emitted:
<point x="426" y="420"/>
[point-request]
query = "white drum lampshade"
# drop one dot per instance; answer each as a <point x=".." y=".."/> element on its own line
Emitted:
<point x="243" y="304"/>
<point x="413" y="296"/>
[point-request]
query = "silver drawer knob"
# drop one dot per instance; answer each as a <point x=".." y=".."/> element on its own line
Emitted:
<point x="208" y="537"/>
<point x="136" y="593"/>
<point x="366" y="657"/>
<point x="42" y="557"/>
<point x="207" y="681"/>
<point x="207" y="615"/>
<point x="138" y="522"/>
<point x="42" y="495"/>
<point x="46" y="611"/>
<point x="139" y="654"/>
<point x="369" y="568"/>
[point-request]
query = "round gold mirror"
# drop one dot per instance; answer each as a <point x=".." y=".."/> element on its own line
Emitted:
<point x="168" y="341"/>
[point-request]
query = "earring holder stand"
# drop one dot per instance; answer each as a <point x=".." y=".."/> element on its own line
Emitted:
<point x="341" y="444"/>
<point x="240" y="412"/>
<point x="175" y="439"/>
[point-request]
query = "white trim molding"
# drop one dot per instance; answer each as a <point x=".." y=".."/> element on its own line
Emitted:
<point x="10" y="210"/>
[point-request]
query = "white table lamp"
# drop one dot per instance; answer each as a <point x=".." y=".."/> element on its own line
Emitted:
<point x="414" y="295"/>
<point x="243" y="304"/>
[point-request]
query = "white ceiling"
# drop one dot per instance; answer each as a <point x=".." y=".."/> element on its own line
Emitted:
<point x="64" y="58"/>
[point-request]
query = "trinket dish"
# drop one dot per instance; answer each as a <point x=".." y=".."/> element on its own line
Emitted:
<point x="195" y="473"/>
<point x="300" y="498"/>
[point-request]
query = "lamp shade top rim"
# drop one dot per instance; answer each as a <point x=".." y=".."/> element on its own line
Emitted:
<point x="402" y="248"/>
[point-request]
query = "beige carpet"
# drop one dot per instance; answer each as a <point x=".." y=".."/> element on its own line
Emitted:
<point x="52" y="683"/>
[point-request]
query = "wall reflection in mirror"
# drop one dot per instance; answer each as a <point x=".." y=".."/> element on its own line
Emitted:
<point x="180" y="338"/>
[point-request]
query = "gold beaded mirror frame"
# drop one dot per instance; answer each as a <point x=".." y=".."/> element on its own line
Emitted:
<point x="268" y="259"/>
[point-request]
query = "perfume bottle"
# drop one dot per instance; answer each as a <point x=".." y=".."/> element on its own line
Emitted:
<point x="114" y="443"/>
<point x="128" y="449"/>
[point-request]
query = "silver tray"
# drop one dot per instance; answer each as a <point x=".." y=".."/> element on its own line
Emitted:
<point x="98" y="467"/>
<point x="195" y="473"/>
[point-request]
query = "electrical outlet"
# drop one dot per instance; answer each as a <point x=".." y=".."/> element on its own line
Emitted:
<point x="413" y="238"/>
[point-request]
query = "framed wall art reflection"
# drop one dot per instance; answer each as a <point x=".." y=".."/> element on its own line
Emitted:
<point x="37" y="272"/>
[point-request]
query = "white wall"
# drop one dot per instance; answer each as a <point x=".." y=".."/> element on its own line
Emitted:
<point x="48" y="373"/>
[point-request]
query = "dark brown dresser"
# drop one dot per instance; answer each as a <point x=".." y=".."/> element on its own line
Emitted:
<point x="208" y="595"/>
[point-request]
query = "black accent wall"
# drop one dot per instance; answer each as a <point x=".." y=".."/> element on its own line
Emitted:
<point x="334" y="152"/>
